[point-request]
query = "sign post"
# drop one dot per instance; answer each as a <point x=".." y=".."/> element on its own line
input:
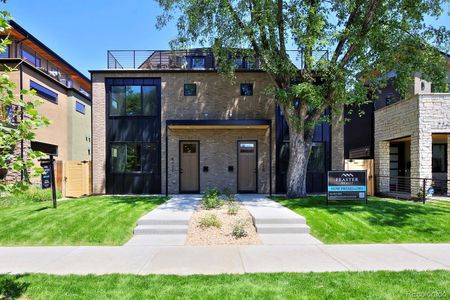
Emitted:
<point x="48" y="177"/>
<point x="347" y="185"/>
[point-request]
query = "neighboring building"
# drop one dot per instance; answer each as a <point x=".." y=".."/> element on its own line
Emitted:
<point x="408" y="139"/>
<point x="64" y="91"/>
<point x="167" y="121"/>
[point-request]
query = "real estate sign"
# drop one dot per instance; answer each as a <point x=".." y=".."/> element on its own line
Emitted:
<point x="46" y="180"/>
<point x="347" y="185"/>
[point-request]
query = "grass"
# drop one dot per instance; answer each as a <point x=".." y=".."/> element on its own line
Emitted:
<point x="380" y="221"/>
<point x="339" y="285"/>
<point x="99" y="220"/>
<point x="30" y="195"/>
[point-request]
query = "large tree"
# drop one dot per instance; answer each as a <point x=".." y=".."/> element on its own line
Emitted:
<point x="347" y="47"/>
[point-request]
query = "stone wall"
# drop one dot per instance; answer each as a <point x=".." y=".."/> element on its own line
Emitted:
<point x="416" y="118"/>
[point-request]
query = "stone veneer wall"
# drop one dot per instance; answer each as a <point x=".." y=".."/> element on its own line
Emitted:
<point x="418" y="117"/>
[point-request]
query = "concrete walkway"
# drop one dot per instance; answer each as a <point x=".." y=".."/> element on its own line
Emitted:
<point x="184" y="260"/>
<point x="167" y="225"/>
<point x="276" y="224"/>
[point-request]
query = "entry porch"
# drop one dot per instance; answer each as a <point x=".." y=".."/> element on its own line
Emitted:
<point x="230" y="155"/>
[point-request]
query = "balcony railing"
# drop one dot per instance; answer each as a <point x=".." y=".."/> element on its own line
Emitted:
<point x="195" y="59"/>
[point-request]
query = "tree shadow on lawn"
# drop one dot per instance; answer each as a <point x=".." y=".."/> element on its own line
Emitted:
<point x="135" y="200"/>
<point x="395" y="213"/>
<point x="11" y="288"/>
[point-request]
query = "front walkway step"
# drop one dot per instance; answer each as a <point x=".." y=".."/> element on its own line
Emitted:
<point x="282" y="228"/>
<point x="276" y="224"/>
<point x="166" y="225"/>
<point x="299" y="220"/>
<point x="166" y="221"/>
<point x="160" y="229"/>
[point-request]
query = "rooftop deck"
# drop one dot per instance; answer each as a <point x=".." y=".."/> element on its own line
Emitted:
<point x="194" y="59"/>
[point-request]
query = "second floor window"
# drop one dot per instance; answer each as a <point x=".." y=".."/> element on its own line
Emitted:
<point x="133" y="100"/>
<point x="246" y="89"/>
<point x="80" y="107"/>
<point x="5" y="54"/>
<point x="190" y="89"/>
<point x="44" y="92"/>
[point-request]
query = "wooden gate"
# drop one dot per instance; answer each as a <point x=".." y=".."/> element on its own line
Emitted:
<point x="363" y="164"/>
<point x="77" y="178"/>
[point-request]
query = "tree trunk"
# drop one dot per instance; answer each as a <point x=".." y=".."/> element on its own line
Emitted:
<point x="299" y="151"/>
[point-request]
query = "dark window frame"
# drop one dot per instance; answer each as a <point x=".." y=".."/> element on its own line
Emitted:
<point x="195" y="89"/>
<point x="242" y="89"/>
<point x="445" y="155"/>
<point x="44" y="92"/>
<point x="190" y="60"/>
<point x="142" y="163"/>
<point x="141" y="114"/>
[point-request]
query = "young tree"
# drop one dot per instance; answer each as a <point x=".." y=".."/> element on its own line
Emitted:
<point x="18" y="120"/>
<point x="364" y="39"/>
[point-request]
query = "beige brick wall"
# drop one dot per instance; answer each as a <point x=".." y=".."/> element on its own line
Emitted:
<point x="217" y="98"/>
<point x="218" y="150"/>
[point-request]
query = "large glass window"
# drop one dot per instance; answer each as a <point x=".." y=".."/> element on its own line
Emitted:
<point x="150" y="100"/>
<point x="118" y="157"/>
<point x="135" y="157"/>
<point x="133" y="100"/>
<point x="196" y="62"/>
<point x="117" y="106"/>
<point x="439" y="158"/>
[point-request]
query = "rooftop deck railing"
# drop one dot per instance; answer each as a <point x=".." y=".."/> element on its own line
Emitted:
<point x="195" y="59"/>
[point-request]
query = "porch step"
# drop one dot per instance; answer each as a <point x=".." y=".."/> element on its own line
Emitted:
<point x="296" y="220"/>
<point x="282" y="228"/>
<point x="163" y="222"/>
<point x="160" y="229"/>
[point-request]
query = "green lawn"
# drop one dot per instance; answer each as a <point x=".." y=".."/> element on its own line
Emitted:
<point x="380" y="221"/>
<point x="342" y="285"/>
<point x="99" y="220"/>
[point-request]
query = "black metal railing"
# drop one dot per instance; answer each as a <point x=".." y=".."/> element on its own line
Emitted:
<point x="195" y="59"/>
<point x="406" y="187"/>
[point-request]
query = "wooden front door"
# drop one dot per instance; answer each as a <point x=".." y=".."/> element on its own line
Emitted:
<point x="189" y="167"/>
<point x="247" y="168"/>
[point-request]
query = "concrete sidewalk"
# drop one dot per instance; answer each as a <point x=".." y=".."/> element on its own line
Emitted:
<point x="185" y="260"/>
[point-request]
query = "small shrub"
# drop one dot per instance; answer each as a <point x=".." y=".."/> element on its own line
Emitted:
<point x="210" y="221"/>
<point x="211" y="199"/>
<point x="233" y="208"/>
<point x="239" y="230"/>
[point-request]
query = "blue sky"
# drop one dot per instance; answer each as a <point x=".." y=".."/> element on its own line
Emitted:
<point x="81" y="31"/>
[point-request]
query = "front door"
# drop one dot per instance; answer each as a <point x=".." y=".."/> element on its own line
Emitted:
<point x="189" y="167"/>
<point x="247" y="169"/>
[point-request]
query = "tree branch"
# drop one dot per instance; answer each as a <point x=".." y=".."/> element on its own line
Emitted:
<point x="280" y="25"/>
<point x="343" y="39"/>
<point x="368" y="20"/>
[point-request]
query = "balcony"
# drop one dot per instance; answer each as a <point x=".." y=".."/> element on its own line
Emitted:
<point x="194" y="59"/>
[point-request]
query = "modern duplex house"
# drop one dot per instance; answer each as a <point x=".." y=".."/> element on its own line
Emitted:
<point x="408" y="139"/>
<point x="168" y="122"/>
<point x="64" y="90"/>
